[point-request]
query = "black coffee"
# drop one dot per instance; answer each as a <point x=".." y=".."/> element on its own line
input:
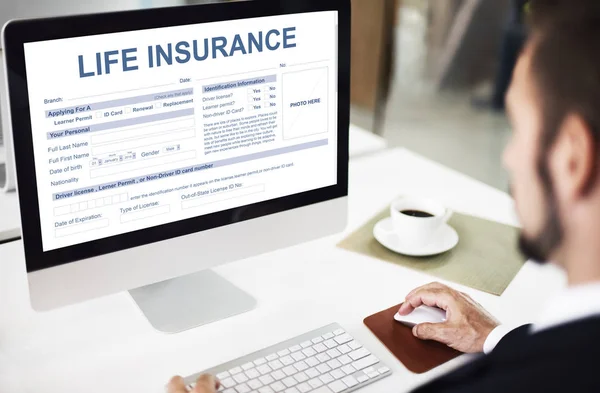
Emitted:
<point x="416" y="213"/>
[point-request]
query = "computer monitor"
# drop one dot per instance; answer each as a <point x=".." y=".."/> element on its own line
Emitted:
<point x="151" y="145"/>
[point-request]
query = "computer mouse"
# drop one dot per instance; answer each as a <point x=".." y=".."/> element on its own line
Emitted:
<point x="423" y="314"/>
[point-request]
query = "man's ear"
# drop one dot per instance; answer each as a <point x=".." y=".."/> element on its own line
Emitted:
<point x="574" y="159"/>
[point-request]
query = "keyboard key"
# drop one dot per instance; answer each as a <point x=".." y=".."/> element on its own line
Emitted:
<point x="260" y="361"/>
<point x="312" y="372"/>
<point x="229" y="391"/>
<point x="295" y="348"/>
<point x="308" y="352"/>
<point x="278" y="387"/>
<point x="326" y="378"/>
<point x="359" y="354"/>
<point x="327" y="336"/>
<point x="320" y="348"/>
<point x="298" y="356"/>
<point x="334" y="363"/>
<point x="266" y="380"/>
<point x="284" y="352"/>
<point x="266" y="389"/>
<point x="312" y="361"/>
<point x="304" y="388"/>
<point x="287" y="360"/>
<point x="337" y="374"/>
<point x="255" y="384"/>
<point x="333" y="353"/>
<point x="365" y="362"/>
<point x="339" y="332"/>
<point x="374" y="374"/>
<point x="354" y="345"/>
<point x="316" y="383"/>
<point x="323" y="357"/>
<point x="348" y="369"/>
<point x="289" y="382"/>
<point x="301" y="365"/>
<point x="301" y="377"/>
<point x="292" y="390"/>
<point x="278" y="375"/>
<point x="344" y="359"/>
<point x="290" y="370"/>
<point x="247" y="366"/>
<point x="343" y="339"/>
<point x="383" y="370"/>
<point x="306" y="344"/>
<point x="228" y="382"/>
<point x="350" y="381"/>
<point x="272" y="357"/>
<point x="275" y="364"/>
<point x="330" y="344"/>
<point x="322" y="389"/>
<point x="317" y="340"/>
<point x="323" y="368"/>
<point x="362" y="378"/>
<point x="337" y="386"/>
<point x="240" y="378"/>
<point x="344" y="349"/>
<point x="243" y="388"/>
<point x="235" y="370"/>
<point x="252" y="373"/>
<point x="369" y="370"/>
<point x="264" y="369"/>
<point x="223" y="375"/>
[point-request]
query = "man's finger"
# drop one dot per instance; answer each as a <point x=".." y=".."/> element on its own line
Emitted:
<point x="432" y="331"/>
<point x="206" y="384"/>
<point x="439" y="298"/>
<point x="407" y="308"/>
<point x="432" y="285"/>
<point x="176" y="385"/>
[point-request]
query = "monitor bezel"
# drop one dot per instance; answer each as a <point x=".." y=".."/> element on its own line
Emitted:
<point x="18" y="33"/>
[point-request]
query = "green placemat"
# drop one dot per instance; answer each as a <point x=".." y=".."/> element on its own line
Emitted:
<point x="486" y="257"/>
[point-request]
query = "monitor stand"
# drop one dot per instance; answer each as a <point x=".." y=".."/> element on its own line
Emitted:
<point x="184" y="303"/>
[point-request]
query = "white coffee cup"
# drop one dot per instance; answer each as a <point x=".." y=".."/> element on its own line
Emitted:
<point x="418" y="231"/>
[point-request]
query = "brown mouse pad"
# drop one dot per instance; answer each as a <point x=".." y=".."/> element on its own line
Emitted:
<point x="416" y="355"/>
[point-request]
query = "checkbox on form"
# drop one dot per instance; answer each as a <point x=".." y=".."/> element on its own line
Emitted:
<point x="159" y="105"/>
<point x="127" y="110"/>
<point x="99" y="115"/>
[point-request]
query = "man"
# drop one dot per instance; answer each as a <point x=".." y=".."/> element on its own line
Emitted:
<point x="554" y="161"/>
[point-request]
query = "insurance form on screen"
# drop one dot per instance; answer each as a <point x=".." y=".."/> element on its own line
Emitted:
<point x="138" y="129"/>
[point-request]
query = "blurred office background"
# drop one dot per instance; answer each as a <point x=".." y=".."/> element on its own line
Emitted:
<point x="418" y="66"/>
<point x="423" y="71"/>
<point x="444" y="60"/>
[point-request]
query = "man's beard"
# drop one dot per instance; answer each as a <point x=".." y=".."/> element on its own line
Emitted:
<point x="541" y="247"/>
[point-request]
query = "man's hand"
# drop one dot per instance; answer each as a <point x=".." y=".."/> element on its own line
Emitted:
<point x="204" y="384"/>
<point x="467" y="324"/>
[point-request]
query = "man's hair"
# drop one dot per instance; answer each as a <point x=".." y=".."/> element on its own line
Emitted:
<point x="565" y="63"/>
<point x="565" y="68"/>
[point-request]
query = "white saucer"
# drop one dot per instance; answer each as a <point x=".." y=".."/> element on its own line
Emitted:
<point x="446" y="239"/>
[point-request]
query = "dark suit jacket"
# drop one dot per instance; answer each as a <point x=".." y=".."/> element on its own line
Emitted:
<point x="562" y="359"/>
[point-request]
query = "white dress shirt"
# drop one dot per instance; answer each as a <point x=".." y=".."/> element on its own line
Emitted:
<point x="572" y="304"/>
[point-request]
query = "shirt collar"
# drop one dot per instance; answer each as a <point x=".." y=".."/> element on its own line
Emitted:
<point x="572" y="304"/>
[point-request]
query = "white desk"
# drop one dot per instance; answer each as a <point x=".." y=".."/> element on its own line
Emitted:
<point x="106" y="345"/>
<point x="362" y="143"/>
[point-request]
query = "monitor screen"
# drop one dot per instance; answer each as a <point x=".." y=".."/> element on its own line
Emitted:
<point x="138" y="129"/>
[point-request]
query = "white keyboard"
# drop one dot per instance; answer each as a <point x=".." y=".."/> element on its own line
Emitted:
<point x="327" y="360"/>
